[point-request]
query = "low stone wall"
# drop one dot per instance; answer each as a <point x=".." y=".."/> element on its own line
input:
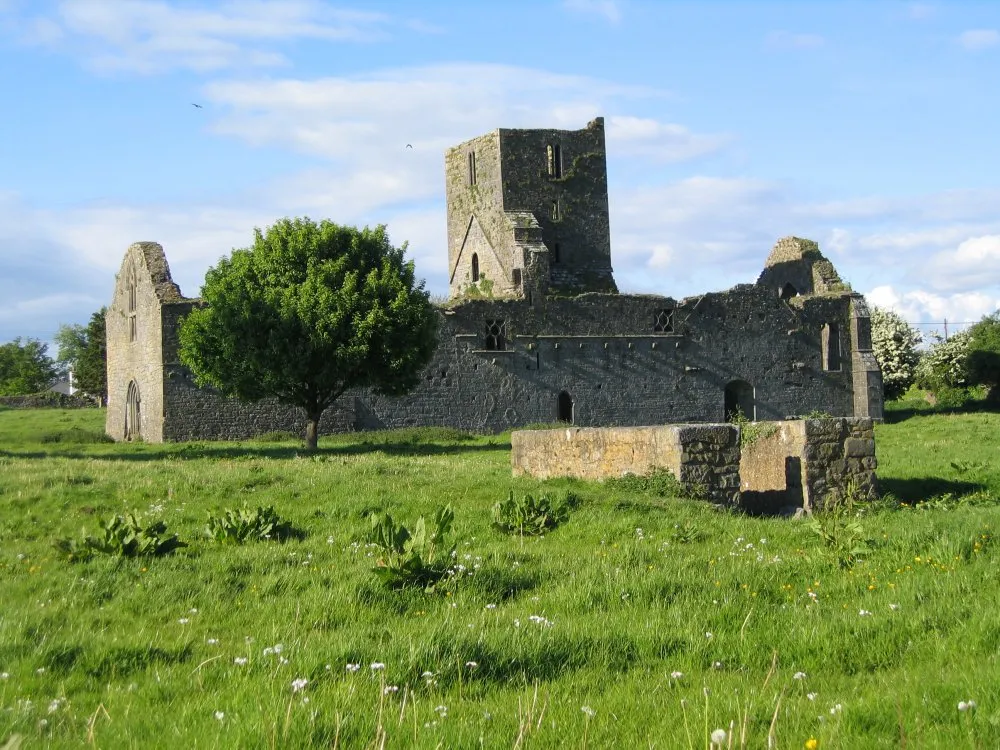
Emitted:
<point x="706" y="456"/>
<point x="807" y="463"/>
<point x="48" y="400"/>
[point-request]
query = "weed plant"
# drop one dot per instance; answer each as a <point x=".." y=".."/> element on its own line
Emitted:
<point x="648" y="621"/>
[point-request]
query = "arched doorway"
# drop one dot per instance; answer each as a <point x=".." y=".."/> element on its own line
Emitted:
<point x="133" y="423"/>
<point x="565" y="407"/>
<point x="739" y="400"/>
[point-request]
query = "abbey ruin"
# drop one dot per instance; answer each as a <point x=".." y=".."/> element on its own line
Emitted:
<point x="535" y="330"/>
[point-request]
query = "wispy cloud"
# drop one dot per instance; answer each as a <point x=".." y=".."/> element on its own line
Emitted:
<point x="978" y="39"/>
<point x="790" y="40"/>
<point x="152" y="36"/>
<point x="931" y="310"/>
<point x="611" y="10"/>
<point x="664" y="142"/>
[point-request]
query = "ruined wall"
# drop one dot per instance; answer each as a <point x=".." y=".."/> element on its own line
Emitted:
<point x="138" y="359"/>
<point x="807" y="463"/>
<point x="706" y="457"/>
<point x="571" y="207"/>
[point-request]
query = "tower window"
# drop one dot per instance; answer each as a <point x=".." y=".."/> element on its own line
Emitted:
<point x="556" y="211"/>
<point x="472" y="168"/>
<point x="663" y="321"/>
<point x="831" y="347"/>
<point x="517" y="277"/>
<point x="553" y="154"/>
<point x="475" y="268"/>
<point x="132" y="292"/>
<point x="496" y="335"/>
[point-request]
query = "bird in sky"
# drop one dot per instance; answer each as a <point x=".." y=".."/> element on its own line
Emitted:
<point x="196" y="105"/>
<point x="409" y="146"/>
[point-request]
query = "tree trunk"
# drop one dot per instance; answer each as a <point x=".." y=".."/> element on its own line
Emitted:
<point x="312" y="433"/>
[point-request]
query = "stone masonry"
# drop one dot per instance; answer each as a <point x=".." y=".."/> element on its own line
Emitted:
<point x="548" y="338"/>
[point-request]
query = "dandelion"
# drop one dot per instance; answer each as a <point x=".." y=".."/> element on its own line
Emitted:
<point x="329" y="540"/>
<point x="376" y="666"/>
<point x="240" y="660"/>
<point x="442" y="711"/>
<point x="717" y="665"/>
<point x="40" y="670"/>
<point x="799" y="676"/>
<point x="812" y="743"/>
<point x="282" y="661"/>
<point x="56" y="704"/>
<point x="836" y="709"/>
<point x="966" y="705"/>
<point x="299" y="684"/>
<point x="220" y="715"/>
<point x="719" y="736"/>
<point x="589" y="711"/>
<point x="42" y="723"/>
<point x="708" y="635"/>
<point x="491" y="606"/>
<point x="352" y="668"/>
<point x="193" y="610"/>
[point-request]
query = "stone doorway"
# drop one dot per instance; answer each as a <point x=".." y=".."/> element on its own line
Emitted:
<point x="133" y="423"/>
<point x="565" y="407"/>
<point x="739" y="401"/>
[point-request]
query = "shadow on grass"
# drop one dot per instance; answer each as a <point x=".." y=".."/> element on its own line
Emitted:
<point x="196" y="451"/>
<point x="914" y="408"/>
<point x="924" y="488"/>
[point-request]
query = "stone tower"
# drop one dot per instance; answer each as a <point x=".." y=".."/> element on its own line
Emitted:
<point x="528" y="211"/>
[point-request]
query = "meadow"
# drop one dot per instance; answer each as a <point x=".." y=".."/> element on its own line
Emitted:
<point x="641" y="621"/>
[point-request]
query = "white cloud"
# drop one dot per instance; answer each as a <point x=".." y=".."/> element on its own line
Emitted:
<point x="152" y="36"/>
<point x="789" y="40"/>
<point x="665" y="142"/>
<point x="975" y="262"/>
<point x="977" y="39"/>
<point x="611" y="10"/>
<point x="929" y="311"/>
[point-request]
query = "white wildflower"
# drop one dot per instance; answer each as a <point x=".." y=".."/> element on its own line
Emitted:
<point x="864" y="613"/>
<point x="377" y="665"/>
<point x="799" y="676"/>
<point x="184" y="621"/>
<point x="589" y="711"/>
<point x="389" y="689"/>
<point x="220" y="715"/>
<point x="811" y="696"/>
<point x="352" y="668"/>
<point x="471" y="664"/>
<point x="299" y="684"/>
<point x="676" y="675"/>
<point x="241" y="660"/>
<point x="719" y="736"/>
<point x="212" y="641"/>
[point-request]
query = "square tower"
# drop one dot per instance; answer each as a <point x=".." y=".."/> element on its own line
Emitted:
<point x="528" y="211"/>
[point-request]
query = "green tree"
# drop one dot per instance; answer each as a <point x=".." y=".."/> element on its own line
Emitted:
<point x="983" y="363"/>
<point x="25" y="367"/>
<point x="894" y="342"/>
<point x="308" y="312"/>
<point x="71" y="340"/>
<point x="91" y="370"/>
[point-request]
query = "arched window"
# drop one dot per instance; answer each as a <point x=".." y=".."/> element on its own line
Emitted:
<point x="788" y="291"/>
<point x="475" y="268"/>
<point x="565" y="407"/>
<point x="133" y="423"/>
<point x="739" y="401"/>
<point x="131" y="292"/>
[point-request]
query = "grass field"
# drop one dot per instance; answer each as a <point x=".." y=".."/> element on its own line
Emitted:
<point x="643" y="621"/>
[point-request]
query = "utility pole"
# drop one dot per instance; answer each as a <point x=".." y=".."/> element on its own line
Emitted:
<point x="945" y="329"/>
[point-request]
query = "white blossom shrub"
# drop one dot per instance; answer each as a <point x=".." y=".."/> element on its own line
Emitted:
<point x="894" y="342"/>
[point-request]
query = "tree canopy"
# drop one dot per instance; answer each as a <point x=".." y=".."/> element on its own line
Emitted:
<point x="25" y="367"/>
<point x="894" y="342"/>
<point x="983" y="362"/>
<point x="308" y="312"/>
<point x="83" y="349"/>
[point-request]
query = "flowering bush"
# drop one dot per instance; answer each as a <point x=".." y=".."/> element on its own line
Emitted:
<point x="894" y="342"/>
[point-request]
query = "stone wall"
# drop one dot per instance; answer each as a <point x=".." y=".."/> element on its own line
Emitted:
<point x="705" y="458"/>
<point x="808" y="463"/>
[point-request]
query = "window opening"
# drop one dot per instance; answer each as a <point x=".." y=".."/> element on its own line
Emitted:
<point x="472" y="167"/>
<point x="555" y="253"/>
<point x="133" y="429"/>
<point x="496" y="335"/>
<point x="517" y="277"/>
<point x="475" y="268"/>
<point x="556" y="213"/>
<point x="831" y="347"/>
<point x="565" y="407"/>
<point x="553" y="153"/>
<point x="663" y="321"/>
<point x="132" y="293"/>
<point x="788" y="291"/>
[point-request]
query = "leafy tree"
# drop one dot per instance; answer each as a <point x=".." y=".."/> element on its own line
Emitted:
<point x="91" y="373"/>
<point x="83" y="349"/>
<point x="25" y="367"/>
<point x="943" y="369"/>
<point x="894" y="342"/>
<point x="308" y="312"/>
<point x="983" y="364"/>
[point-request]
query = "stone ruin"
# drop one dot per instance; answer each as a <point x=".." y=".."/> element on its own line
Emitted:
<point x="780" y="467"/>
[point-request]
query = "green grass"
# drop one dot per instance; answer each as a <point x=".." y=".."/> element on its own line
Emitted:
<point x="143" y="653"/>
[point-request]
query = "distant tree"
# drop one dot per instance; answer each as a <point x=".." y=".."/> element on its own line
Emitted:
<point x="91" y="371"/>
<point x="983" y="363"/>
<point x="25" y="367"/>
<point x="308" y="312"/>
<point x="71" y="340"/>
<point x="894" y="342"/>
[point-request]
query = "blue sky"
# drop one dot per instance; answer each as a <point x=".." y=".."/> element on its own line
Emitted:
<point x="870" y="127"/>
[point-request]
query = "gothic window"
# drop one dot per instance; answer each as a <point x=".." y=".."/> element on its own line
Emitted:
<point x="788" y="291"/>
<point x="556" y="212"/>
<point x="133" y="425"/>
<point x="553" y="153"/>
<point x="472" y="167"/>
<point x="475" y="268"/>
<point x="831" y="347"/>
<point x="496" y="335"/>
<point x="663" y="321"/>
<point x="131" y="292"/>
<point x="517" y="277"/>
<point x="565" y="407"/>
